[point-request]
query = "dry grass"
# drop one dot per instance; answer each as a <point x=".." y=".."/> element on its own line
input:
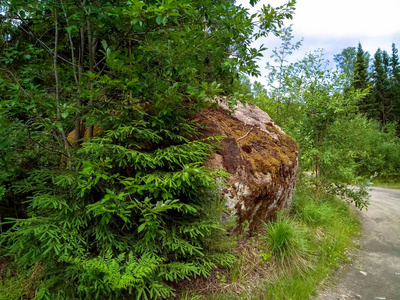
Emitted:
<point x="245" y="276"/>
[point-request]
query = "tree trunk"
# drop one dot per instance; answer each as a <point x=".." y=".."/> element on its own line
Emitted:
<point x="77" y="77"/>
<point x="58" y="105"/>
<point x="130" y="63"/>
<point x="91" y="67"/>
<point x="317" y="177"/>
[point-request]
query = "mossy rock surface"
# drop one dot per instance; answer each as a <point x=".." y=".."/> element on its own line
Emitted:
<point x="262" y="159"/>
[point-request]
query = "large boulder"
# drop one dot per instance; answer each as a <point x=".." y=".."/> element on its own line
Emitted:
<point x="260" y="157"/>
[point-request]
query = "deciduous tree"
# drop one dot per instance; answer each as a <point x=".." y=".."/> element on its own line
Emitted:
<point x="134" y="210"/>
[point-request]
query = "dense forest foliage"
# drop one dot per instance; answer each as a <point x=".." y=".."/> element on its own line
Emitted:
<point x="345" y="118"/>
<point x="102" y="189"/>
<point x="103" y="192"/>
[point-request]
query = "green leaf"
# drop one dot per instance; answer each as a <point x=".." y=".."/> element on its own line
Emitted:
<point x="104" y="44"/>
<point x="70" y="28"/>
<point x="160" y="20"/>
<point x="141" y="227"/>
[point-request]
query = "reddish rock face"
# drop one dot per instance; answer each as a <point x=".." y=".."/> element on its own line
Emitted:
<point x="260" y="157"/>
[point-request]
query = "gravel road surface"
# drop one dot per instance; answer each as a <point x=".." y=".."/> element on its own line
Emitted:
<point x="374" y="272"/>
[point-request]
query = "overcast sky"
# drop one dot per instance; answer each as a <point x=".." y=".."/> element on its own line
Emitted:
<point x="337" y="24"/>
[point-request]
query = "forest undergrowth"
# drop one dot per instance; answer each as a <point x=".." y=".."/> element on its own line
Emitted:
<point x="292" y="256"/>
<point x="288" y="259"/>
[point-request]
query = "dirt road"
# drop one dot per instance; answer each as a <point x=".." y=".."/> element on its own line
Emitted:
<point x="375" y="271"/>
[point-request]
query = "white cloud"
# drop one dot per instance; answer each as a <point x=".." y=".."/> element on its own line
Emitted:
<point x="337" y="24"/>
<point x="347" y="18"/>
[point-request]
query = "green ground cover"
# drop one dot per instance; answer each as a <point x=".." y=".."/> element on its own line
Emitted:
<point x="295" y="254"/>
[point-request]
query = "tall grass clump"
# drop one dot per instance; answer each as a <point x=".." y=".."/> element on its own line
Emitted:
<point x="289" y="242"/>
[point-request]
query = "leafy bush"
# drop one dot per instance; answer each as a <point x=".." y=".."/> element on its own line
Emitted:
<point x="373" y="148"/>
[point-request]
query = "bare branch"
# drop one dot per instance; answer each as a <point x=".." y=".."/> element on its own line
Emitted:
<point x="16" y="80"/>
<point x="44" y="147"/>
<point x="30" y="32"/>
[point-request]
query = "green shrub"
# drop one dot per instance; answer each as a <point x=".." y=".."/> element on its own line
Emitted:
<point x="125" y="221"/>
<point x="362" y="147"/>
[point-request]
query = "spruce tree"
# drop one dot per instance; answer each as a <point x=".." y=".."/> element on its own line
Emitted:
<point x="381" y="100"/>
<point x="386" y="62"/>
<point x="361" y="79"/>
<point x="395" y="80"/>
<point x="395" y="65"/>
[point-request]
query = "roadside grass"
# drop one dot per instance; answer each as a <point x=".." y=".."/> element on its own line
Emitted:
<point x="387" y="182"/>
<point x="296" y="253"/>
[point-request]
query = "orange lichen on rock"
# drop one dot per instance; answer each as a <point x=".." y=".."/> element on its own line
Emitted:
<point x="262" y="159"/>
